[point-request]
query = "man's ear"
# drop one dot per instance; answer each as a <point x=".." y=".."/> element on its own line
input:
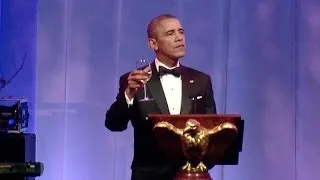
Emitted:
<point x="153" y="44"/>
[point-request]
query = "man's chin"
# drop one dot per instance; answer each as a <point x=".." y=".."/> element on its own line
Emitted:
<point x="179" y="55"/>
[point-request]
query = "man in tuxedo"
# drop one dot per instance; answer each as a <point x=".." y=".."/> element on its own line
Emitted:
<point x="172" y="89"/>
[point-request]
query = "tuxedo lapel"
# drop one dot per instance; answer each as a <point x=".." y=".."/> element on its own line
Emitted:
<point x="186" y="85"/>
<point x="155" y="88"/>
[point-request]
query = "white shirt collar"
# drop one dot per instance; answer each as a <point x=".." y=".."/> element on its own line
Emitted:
<point x="158" y="63"/>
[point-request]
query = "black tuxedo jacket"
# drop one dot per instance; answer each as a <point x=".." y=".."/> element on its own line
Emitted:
<point x="149" y="161"/>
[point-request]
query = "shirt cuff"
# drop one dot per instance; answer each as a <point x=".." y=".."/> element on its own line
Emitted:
<point x="129" y="102"/>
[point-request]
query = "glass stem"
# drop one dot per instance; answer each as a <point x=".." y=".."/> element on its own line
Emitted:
<point x="145" y="90"/>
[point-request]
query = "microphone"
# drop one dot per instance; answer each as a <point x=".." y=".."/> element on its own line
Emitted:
<point x="194" y="104"/>
<point x="193" y="100"/>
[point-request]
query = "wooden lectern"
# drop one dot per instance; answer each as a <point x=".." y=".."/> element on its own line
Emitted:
<point x="201" y="140"/>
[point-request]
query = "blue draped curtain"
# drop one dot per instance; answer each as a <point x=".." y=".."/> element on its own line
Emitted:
<point x="262" y="55"/>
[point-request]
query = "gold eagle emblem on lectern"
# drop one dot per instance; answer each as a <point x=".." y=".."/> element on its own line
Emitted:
<point x="195" y="141"/>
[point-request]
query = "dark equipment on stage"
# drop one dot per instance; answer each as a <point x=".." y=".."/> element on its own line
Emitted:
<point x="14" y="115"/>
<point x="32" y="169"/>
<point x="18" y="156"/>
<point x="17" y="147"/>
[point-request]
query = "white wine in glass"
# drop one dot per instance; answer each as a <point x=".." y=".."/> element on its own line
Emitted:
<point x="144" y="63"/>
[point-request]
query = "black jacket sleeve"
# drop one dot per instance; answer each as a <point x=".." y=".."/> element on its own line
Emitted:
<point x="118" y="115"/>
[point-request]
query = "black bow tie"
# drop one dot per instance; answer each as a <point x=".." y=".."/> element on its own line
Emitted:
<point x="175" y="71"/>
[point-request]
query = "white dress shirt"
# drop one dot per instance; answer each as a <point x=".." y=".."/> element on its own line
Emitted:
<point x="172" y="88"/>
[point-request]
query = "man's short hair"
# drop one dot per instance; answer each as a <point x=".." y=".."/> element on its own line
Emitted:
<point x="151" y="30"/>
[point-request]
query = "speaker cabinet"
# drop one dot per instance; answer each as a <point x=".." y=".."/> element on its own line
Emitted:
<point x="17" y="148"/>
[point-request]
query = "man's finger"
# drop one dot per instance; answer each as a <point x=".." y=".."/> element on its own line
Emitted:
<point x="133" y="86"/>
<point x="147" y="69"/>
<point x="135" y="83"/>
<point x="138" y="77"/>
<point x="134" y="72"/>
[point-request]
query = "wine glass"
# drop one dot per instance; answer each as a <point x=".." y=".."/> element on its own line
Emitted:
<point x="142" y="64"/>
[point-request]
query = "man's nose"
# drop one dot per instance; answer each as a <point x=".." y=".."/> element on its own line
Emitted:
<point x="179" y="37"/>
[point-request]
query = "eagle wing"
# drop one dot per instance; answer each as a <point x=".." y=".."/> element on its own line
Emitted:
<point x="220" y="138"/>
<point x="169" y="138"/>
<point x="169" y="127"/>
<point x="221" y="127"/>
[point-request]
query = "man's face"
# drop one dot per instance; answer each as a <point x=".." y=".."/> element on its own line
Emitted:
<point x="170" y="39"/>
